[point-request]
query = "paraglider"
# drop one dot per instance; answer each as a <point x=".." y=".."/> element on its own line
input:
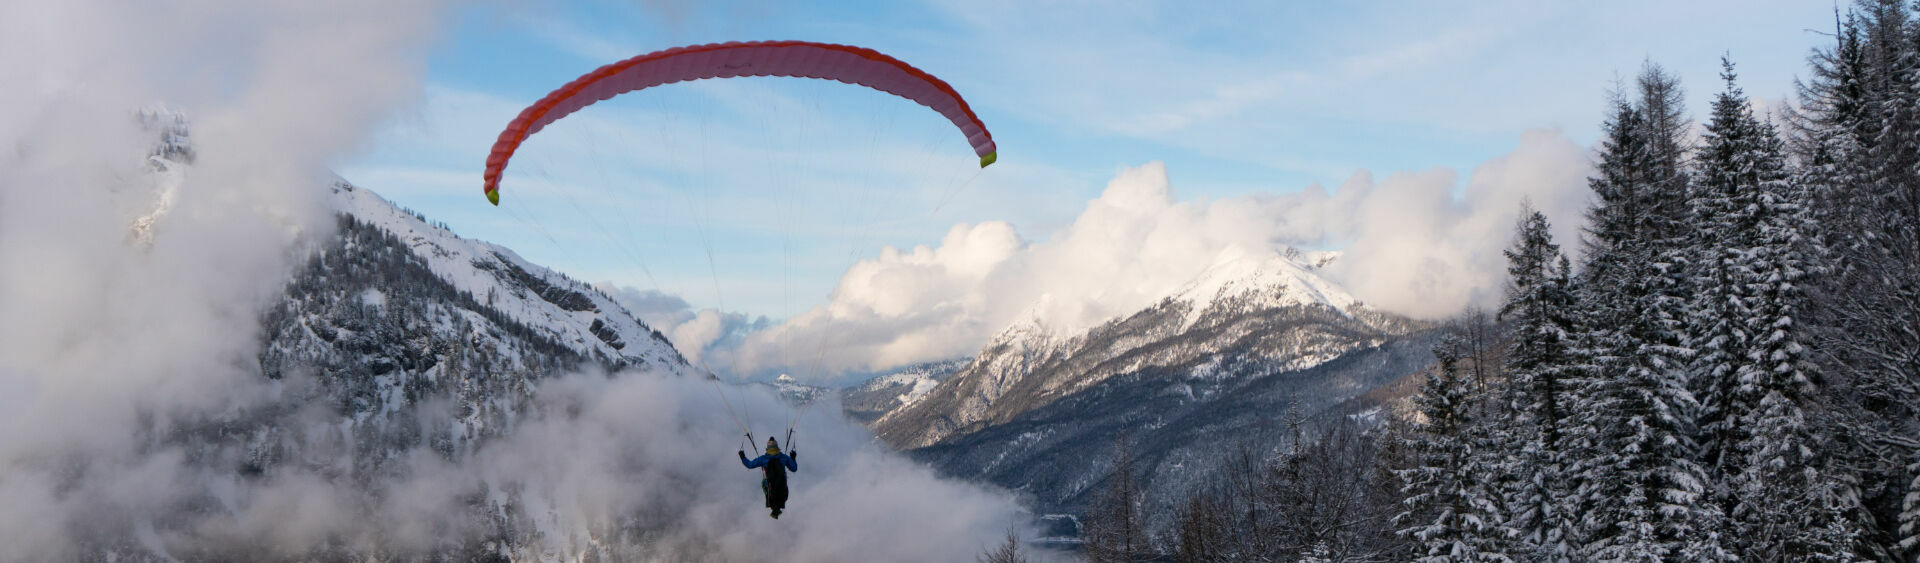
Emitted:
<point x="774" y="467"/>
<point x="803" y="59"/>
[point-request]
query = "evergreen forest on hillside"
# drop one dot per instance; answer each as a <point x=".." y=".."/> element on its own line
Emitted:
<point x="1725" y="367"/>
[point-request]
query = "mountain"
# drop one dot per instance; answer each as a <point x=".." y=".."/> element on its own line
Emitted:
<point x="396" y="345"/>
<point x="1229" y="359"/>
<point x="795" y="392"/>
<point x="555" y="309"/>
<point x="394" y="312"/>
<point x="1245" y="314"/>
<point x="876" y="397"/>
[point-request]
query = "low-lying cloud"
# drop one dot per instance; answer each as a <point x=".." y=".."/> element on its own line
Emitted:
<point x="1419" y="243"/>
<point x="112" y="338"/>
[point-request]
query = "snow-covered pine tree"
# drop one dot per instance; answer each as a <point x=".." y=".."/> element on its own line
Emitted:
<point x="1885" y="261"/>
<point x="1787" y="462"/>
<point x="1763" y="451"/>
<point x="1638" y="488"/>
<point x="1538" y="308"/>
<point x="1857" y="139"/>
<point x="1724" y="203"/>
<point x="1451" y="514"/>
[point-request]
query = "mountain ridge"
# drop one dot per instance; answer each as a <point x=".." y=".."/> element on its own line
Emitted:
<point x="1223" y="306"/>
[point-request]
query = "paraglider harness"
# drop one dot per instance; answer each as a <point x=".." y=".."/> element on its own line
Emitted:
<point x="773" y="483"/>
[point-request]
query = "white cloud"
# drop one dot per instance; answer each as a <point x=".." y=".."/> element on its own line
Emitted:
<point x="1415" y="243"/>
<point x="1418" y="249"/>
<point x="658" y="444"/>
<point x="110" y="341"/>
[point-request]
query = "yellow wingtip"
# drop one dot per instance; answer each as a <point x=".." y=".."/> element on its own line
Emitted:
<point x="493" y="197"/>
<point x="989" y="159"/>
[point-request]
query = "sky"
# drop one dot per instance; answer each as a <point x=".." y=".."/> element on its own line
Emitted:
<point x="732" y="212"/>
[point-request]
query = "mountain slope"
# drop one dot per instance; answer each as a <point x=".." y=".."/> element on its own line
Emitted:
<point x="568" y="312"/>
<point x="393" y="313"/>
<point x="396" y="348"/>
<point x="1226" y="362"/>
<point x="1182" y="428"/>
<point x="876" y="397"/>
<point x="1246" y="314"/>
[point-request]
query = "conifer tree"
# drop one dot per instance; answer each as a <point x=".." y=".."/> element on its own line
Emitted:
<point x="1638" y="488"/>
<point x="1856" y="139"/>
<point x="1538" y="308"/>
<point x="1732" y="165"/>
<point x="1781" y="501"/>
<point x="1451" y="513"/>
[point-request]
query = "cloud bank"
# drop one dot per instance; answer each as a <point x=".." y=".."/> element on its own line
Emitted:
<point x="659" y="443"/>
<point x="111" y="340"/>
<point x="1421" y="243"/>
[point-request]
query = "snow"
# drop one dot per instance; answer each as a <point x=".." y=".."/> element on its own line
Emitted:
<point x="1262" y="280"/>
<point x="167" y="178"/>
<point x="481" y="269"/>
<point x="920" y="388"/>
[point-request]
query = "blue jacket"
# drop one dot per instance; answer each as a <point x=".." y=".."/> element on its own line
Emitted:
<point x="762" y="461"/>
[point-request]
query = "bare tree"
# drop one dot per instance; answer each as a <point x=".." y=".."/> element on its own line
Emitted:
<point x="1114" y="529"/>
<point x="1008" y="551"/>
<point x="1204" y="530"/>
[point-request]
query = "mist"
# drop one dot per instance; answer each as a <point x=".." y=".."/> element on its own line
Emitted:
<point x="111" y="339"/>
<point x="132" y="284"/>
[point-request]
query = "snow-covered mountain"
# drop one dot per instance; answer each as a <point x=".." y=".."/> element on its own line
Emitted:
<point x="396" y="344"/>
<point x="1247" y="313"/>
<point x="876" y="397"/>
<point x="794" y="391"/>
<point x="570" y="313"/>
<point x="395" y="311"/>
<point x="1223" y="362"/>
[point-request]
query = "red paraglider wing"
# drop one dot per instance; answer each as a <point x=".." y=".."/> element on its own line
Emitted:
<point x="852" y="65"/>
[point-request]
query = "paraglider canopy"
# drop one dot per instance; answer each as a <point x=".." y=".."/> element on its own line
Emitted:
<point x="803" y="59"/>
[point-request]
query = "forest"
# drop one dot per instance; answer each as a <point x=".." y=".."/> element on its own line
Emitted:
<point x="1725" y="366"/>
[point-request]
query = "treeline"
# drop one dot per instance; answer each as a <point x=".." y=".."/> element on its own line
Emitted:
<point x="1727" y="370"/>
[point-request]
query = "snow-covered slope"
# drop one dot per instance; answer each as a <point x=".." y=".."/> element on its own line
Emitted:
<point x="571" y="313"/>
<point x="398" y="343"/>
<point x="1244" y="282"/>
<point x="1252" y="341"/>
<point x="796" y="392"/>
<point x="1246" y="314"/>
<point x="886" y="393"/>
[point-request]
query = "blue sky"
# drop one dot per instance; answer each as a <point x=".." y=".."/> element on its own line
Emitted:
<point x="787" y="182"/>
